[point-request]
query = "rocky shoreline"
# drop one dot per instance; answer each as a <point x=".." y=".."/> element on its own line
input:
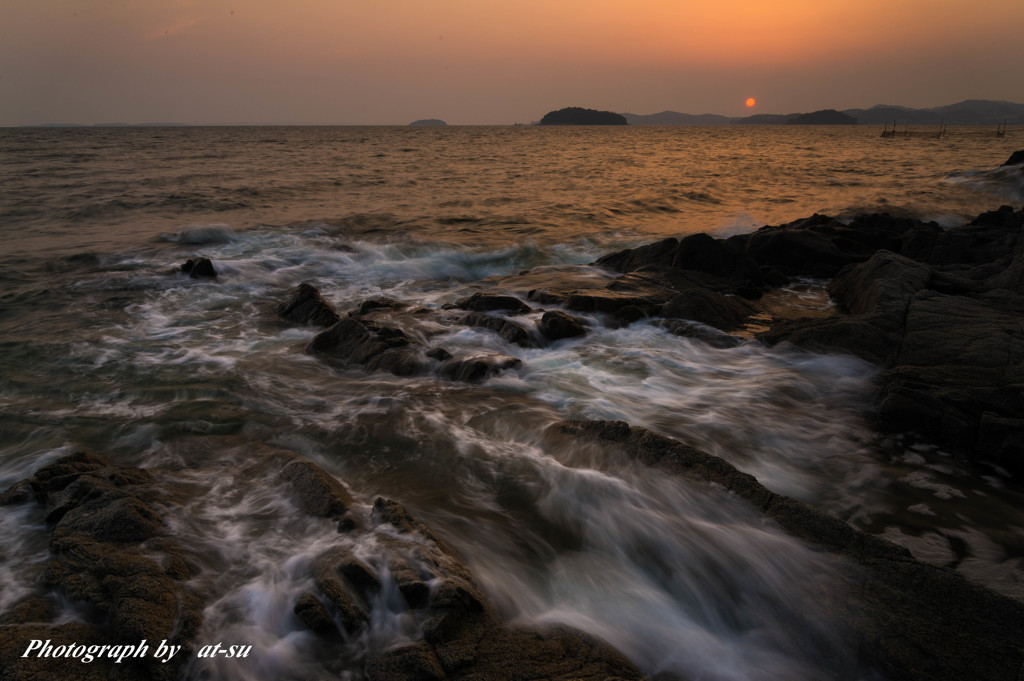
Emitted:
<point x="938" y="309"/>
<point x="111" y="551"/>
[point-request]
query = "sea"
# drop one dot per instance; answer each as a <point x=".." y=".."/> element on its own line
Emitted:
<point x="108" y="348"/>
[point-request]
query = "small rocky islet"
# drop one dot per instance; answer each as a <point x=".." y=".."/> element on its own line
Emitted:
<point x="938" y="309"/>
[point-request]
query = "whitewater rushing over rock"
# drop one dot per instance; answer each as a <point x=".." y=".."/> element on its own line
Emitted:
<point x="411" y="430"/>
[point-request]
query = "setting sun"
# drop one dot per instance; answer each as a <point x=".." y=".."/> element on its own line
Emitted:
<point x="751" y="101"/>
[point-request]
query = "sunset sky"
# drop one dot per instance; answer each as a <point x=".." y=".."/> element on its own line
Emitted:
<point x="484" y="61"/>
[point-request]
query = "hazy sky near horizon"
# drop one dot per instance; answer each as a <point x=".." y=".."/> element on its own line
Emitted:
<point x="490" y="62"/>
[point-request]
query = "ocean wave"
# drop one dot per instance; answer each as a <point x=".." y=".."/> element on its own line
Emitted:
<point x="1005" y="182"/>
<point x="197" y="235"/>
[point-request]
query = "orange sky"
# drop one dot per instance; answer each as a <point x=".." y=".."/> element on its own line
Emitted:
<point x="483" y="61"/>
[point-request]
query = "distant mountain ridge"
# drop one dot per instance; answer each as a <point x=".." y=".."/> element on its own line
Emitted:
<point x="967" y="112"/>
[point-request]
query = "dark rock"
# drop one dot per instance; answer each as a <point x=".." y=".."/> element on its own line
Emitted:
<point x="724" y="265"/>
<point x="877" y="294"/>
<point x="370" y="345"/>
<point x="64" y="471"/>
<point x="957" y="330"/>
<point x="394" y="514"/>
<point x="29" y="610"/>
<point x="490" y="302"/>
<point x="111" y="518"/>
<point x="102" y="515"/>
<point x="974" y="245"/>
<point x="415" y="592"/>
<point x="947" y="330"/>
<point x="307" y="306"/>
<point x="440" y="354"/>
<point x="313" y="614"/>
<point x="797" y="249"/>
<point x="856" y="335"/>
<point x="18" y="493"/>
<point x="774" y="278"/>
<point x="477" y="368"/>
<point x="624" y="316"/>
<point x="556" y="325"/>
<point x="382" y="303"/>
<point x="410" y="662"/>
<point x="351" y="607"/>
<point x="1004" y="217"/>
<point x="199" y="269"/>
<point x="1016" y="158"/>
<point x="359" y="575"/>
<point x="727" y="313"/>
<point x="316" y="491"/>
<point x="645" y="291"/>
<point x="884" y="284"/>
<point x="506" y="328"/>
<point x="658" y="253"/>
<point x="701" y="332"/>
<point x="703" y="253"/>
<point x="348" y="524"/>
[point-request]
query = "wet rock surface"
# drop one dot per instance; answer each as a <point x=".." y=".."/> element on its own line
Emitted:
<point x="104" y="554"/>
<point x="462" y="637"/>
<point x="201" y="268"/>
<point x="492" y="302"/>
<point x="307" y="306"/>
<point x="477" y="368"/>
<point x="937" y="308"/>
<point x="910" y="619"/>
<point x="1016" y="158"/>
<point x="109" y="549"/>
<point x="371" y="345"/>
<point x="506" y="328"/>
<point x="944" y="319"/>
<point x="555" y="325"/>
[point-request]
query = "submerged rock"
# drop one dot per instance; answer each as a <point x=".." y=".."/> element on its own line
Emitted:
<point x="702" y="332"/>
<point x="506" y="328"/>
<point x="477" y="368"/>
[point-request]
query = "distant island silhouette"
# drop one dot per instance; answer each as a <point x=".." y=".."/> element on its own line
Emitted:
<point x="575" y="115"/>
<point x="823" y="117"/>
<point x="967" y="112"/>
<point x="428" y="122"/>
